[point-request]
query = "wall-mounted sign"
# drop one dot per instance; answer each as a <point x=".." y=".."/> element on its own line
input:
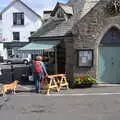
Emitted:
<point x="85" y="58"/>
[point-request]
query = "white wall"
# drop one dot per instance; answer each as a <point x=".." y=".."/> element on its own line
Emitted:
<point x="31" y="23"/>
<point x="1" y="28"/>
<point x="5" y="53"/>
<point x="1" y="49"/>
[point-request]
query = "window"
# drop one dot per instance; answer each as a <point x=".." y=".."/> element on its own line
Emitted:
<point x="85" y="58"/>
<point x="16" y="36"/>
<point x="18" y="18"/>
<point x="9" y="52"/>
<point x="60" y="14"/>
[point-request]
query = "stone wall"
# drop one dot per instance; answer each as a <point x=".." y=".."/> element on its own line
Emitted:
<point x="70" y="61"/>
<point x="89" y="31"/>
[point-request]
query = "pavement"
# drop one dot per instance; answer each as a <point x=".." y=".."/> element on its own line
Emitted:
<point x="99" y="89"/>
<point x="107" y="85"/>
<point x="32" y="87"/>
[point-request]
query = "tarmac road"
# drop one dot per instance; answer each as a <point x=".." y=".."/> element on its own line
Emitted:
<point x="76" y="104"/>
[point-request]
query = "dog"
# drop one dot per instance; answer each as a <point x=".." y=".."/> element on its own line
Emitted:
<point x="12" y="86"/>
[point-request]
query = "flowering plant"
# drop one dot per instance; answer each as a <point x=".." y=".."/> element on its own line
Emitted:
<point x="85" y="80"/>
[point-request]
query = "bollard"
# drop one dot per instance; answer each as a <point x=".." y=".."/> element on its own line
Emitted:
<point x="12" y="73"/>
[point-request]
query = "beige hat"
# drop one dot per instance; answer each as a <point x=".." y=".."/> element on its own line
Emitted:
<point x="39" y="58"/>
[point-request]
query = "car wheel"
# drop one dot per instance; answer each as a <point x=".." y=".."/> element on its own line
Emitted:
<point x="25" y="61"/>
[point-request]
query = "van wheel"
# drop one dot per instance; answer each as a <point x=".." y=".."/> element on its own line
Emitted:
<point x="25" y="61"/>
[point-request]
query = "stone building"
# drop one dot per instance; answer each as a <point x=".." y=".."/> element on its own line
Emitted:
<point x="89" y="31"/>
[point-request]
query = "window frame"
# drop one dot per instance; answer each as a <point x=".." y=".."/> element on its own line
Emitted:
<point x="60" y="14"/>
<point x="18" y="18"/>
<point x="9" y="52"/>
<point x="15" y="37"/>
<point x="85" y="51"/>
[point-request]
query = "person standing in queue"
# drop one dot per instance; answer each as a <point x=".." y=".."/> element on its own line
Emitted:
<point x="39" y="71"/>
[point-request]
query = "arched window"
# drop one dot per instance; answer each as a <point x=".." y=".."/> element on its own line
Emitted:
<point x="111" y="36"/>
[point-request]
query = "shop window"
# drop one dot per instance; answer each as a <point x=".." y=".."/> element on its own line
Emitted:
<point x="85" y="58"/>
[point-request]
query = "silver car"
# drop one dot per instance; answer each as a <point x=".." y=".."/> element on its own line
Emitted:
<point x="17" y="59"/>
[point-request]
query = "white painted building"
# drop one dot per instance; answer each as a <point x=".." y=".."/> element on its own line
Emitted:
<point x="17" y="23"/>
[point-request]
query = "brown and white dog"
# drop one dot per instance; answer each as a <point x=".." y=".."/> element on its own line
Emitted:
<point x="11" y="86"/>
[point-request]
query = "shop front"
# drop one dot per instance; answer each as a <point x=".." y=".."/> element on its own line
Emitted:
<point x="51" y="53"/>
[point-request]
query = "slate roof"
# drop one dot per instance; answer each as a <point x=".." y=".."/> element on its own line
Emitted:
<point x="66" y="8"/>
<point x="55" y="27"/>
<point x="82" y="7"/>
<point x="58" y="27"/>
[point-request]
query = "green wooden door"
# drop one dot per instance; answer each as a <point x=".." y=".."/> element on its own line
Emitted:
<point x="109" y="64"/>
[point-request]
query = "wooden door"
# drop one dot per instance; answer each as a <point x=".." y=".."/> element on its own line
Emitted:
<point x="109" y="64"/>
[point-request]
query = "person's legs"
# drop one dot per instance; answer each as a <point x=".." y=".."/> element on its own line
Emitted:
<point x="38" y="81"/>
<point x="36" y="77"/>
<point x="41" y="79"/>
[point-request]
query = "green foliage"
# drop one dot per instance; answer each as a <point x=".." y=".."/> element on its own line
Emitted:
<point x="84" y="80"/>
<point x="91" y="79"/>
<point x="77" y="80"/>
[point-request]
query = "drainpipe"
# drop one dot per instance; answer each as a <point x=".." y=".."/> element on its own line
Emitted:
<point x="56" y="61"/>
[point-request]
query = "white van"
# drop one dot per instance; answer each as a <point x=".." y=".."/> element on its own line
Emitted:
<point x="18" y="59"/>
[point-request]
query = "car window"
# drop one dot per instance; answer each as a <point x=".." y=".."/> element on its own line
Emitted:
<point x="17" y="56"/>
<point x="20" y="56"/>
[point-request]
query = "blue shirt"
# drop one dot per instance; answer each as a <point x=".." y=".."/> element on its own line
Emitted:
<point x="43" y="67"/>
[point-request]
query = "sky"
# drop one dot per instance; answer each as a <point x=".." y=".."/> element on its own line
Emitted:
<point x="37" y="5"/>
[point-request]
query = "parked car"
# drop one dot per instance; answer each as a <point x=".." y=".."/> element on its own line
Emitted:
<point x="17" y="59"/>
